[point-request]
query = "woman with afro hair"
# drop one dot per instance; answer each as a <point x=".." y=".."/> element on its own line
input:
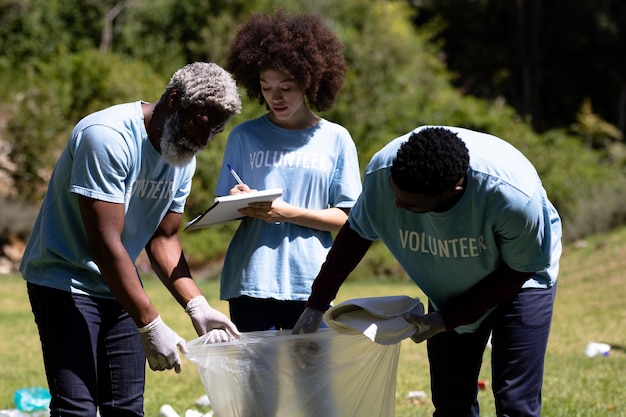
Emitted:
<point x="291" y="65"/>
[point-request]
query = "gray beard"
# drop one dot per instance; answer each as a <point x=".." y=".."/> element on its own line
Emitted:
<point x="176" y="149"/>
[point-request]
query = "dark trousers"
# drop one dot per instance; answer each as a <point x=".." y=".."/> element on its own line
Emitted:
<point x="519" y="329"/>
<point x="92" y="354"/>
<point x="255" y="314"/>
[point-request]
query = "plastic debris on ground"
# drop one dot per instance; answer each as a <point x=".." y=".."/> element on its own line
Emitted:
<point x="30" y="402"/>
<point x="417" y="397"/>
<point x="597" y="349"/>
<point x="32" y="399"/>
<point x="14" y="412"/>
<point x="203" y="401"/>
<point x="273" y="373"/>
<point x="167" y="411"/>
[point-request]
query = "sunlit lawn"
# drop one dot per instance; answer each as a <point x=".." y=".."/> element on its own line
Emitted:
<point x="591" y="305"/>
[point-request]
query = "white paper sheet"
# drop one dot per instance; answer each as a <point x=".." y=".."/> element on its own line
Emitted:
<point x="225" y="208"/>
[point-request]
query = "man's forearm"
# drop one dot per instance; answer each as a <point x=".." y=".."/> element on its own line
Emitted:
<point x="347" y="251"/>
<point x="492" y="290"/>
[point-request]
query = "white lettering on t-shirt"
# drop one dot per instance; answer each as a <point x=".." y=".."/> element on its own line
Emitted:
<point x="278" y="159"/>
<point x="463" y="247"/>
<point x="155" y="190"/>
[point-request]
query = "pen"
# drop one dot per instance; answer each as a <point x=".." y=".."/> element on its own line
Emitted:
<point x="232" y="171"/>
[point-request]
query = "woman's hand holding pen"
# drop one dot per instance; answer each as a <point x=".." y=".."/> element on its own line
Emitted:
<point x="270" y="212"/>
<point x="240" y="189"/>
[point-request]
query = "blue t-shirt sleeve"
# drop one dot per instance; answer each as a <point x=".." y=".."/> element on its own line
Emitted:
<point x="101" y="162"/>
<point x="183" y="191"/>
<point x="373" y="188"/>
<point x="346" y="184"/>
<point x="233" y="157"/>
<point x="524" y="234"/>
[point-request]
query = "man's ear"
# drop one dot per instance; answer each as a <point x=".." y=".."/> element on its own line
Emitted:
<point x="173" y="101"/>
<point x="460" y="185"/>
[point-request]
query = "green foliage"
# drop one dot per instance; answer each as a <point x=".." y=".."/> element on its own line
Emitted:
<point x="59" y="93"/>
<point x="595" y="132"/>
<point x="167" y="34"/>
<point x="535" y="55"/>
<point x="53" y="74"/>
<point x="393" y="77"/>
<point x="40" y="29"/>
<point x="584" y="185"/>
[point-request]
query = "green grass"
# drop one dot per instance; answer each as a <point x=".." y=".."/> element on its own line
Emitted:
<point x="590" y="305"/>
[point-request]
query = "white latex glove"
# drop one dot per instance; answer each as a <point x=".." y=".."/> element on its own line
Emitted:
<point x="427" y="325"/>
<point x="160" y="345"/>
<point x="217" y="336"/>
<point x="206" y="319"/>
<point x="309" y="322"/>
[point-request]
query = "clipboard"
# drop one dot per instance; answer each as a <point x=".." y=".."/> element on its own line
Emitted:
<point x="225" y="208"/>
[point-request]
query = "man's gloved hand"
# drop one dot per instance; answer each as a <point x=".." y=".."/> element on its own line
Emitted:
<point x="217" y="336"/>
<point x="160" y="345"/>
<point x="427" y="325"/>
<point x="309" y="321"/>
<point x="206" y="319"/>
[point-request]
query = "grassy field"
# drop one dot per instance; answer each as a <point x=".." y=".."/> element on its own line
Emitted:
<point x="590" y="305"/>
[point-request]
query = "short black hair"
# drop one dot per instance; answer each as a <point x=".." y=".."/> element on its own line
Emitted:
<point x="430" y="162"/>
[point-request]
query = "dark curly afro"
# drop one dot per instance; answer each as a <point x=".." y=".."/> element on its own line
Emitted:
<point x="300" y="46"/>
<point x="430" y="162"/>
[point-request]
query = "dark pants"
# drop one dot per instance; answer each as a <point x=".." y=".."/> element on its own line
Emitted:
<point x="519" y="329"/>
<point x="92" y="354"/>
<point x="256" y="314"/>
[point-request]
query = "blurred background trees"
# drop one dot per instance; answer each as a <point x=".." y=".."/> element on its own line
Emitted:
<point x="549" y="77"/>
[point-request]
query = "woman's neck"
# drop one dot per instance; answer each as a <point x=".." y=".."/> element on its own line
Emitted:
<point x="304" y="120"/>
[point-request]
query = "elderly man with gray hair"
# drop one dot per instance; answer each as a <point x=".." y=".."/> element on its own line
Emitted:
<point x="119" y="187"/>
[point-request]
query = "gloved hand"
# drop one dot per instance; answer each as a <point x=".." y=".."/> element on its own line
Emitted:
<point x="427" y="325"/>
<point x="309" y="321"/>
<point x="206" y="319"/>
<point x="159" y="343"/>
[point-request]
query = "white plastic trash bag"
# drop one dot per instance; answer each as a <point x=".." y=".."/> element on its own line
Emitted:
<point x="273" y="373"/>
<point x="380" y="319"/>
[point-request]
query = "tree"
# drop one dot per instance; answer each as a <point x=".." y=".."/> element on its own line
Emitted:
<point x="544" y="57"/>
<point x="55" y="71"/>
<point x="59" y="93"/>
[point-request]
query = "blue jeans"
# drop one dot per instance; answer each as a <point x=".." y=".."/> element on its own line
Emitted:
<point x="519" y="329"/>
<point x="92" y="354"/>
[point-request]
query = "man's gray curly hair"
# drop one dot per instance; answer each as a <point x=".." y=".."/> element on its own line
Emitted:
<point x="205" y="84"/>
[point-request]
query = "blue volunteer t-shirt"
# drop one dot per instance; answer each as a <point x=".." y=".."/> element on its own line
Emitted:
<point x="317" y="168"/>
<point x="109" y="158"/>
<point x="504" y="215"/>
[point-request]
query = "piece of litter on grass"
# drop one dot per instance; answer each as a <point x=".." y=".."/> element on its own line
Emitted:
<point x="167" y="411"/>
<point x="196" y="413"/>
<point x="203" y="401"/>
<point x="14" y="412"/>
<point x="416" y="397"/>
<point x="416" y="394"/>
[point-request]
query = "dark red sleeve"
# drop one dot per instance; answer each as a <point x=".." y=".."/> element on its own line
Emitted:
<point x="347" y="251"/>
<point x="492" y="290"/>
